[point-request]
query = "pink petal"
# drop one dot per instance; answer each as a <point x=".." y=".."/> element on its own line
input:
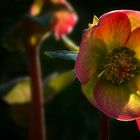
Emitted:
<point x="90" y="57"/>
<point x="138" y="123"/>
<point x="119" y="102"/>
<point x="134" y="17"/>
<point x="63" y="23"/>
<point x="114" y="29"/>
<point x="134" y="42"/>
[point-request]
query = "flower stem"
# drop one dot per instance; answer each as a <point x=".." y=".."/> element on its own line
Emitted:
<point x="104" y="125"/>
<point x="37" y="121"/>
<point x="70" y="44"/>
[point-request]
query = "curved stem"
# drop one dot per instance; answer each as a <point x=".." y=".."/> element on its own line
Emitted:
<point x="70" y="44"/>
<point x="104" y="126"/>
<point x="37" y="127"/>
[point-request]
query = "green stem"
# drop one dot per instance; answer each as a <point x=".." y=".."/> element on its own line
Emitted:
<point x="70" y="44"/>
<point x="37" y="121"/>
<point x="104" y="125"/>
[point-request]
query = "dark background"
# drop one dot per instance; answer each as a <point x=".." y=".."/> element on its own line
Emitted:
<point x="68" y="115"/>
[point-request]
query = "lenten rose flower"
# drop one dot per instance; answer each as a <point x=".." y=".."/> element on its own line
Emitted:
<point x="63" y="23"/>
<point x="63" y="16"/>
<point x="108" y="64"/>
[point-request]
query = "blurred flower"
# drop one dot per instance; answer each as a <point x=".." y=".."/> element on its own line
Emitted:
<point x="63" y="17"/>
<point x="63" y="23"/>
<point x="35" y="9"/>
<point x="50" y="5"/>
<point x="108" y="64"/>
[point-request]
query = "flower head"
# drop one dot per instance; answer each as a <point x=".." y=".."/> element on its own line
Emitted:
<point x="108" y="64"/>
<point x="63" y="23"/>
<point x="63" y="17"/>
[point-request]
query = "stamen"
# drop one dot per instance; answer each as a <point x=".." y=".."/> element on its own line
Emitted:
<point x="120" y="66"/>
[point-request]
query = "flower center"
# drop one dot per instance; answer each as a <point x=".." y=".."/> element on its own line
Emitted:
<point x="120" y="66"/>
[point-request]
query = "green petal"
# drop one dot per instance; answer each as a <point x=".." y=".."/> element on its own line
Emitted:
<point x="88" y="89"/>
<point x="91" y="56"/>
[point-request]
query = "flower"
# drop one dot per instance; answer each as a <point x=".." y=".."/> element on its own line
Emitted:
<point x="37" y="6"/>
<point x="63" y="23"/>
<point x="108" y="64"/>
<point x="63" y="17"/>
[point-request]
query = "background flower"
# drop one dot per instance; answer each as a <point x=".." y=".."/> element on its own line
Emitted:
<point x="63" y="17"/>
<point x="63" y="23"/>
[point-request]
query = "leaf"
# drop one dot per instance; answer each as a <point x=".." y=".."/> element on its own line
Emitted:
<point x="66" y="55"/>
<point x="5" y="88"/>
<point x="41" y="20"/>
<point x="19" y="93"/>
<point x="58" y="82"/>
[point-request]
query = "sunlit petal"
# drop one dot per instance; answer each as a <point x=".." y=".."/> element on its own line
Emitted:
<point x="63" y="23"/>
<point x="89" y="57"/>
<point x="138" y="123"/>
<point x="134" y="17"/>
<point x="113" y="29"/>
<point x="119" y="102"/>
<point x="89" y="87"/>
<point x="134" y="42"/>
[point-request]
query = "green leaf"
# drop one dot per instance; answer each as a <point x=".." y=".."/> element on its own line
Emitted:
<point x="18" y="94"/>
<point x="66" y="55"/>
<point x="5" y="88"/>
<point x="18" y="91"/>
<point x="59" y="81"/>
<point x="41" y="20"/>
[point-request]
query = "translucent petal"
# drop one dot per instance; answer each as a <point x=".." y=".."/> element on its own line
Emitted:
<point x="90" y="57"/>
<point x="114" y="29"/>
<point x="134" y="17"/>
<point x="134" y="42"/>
<point x="119" y="102"/>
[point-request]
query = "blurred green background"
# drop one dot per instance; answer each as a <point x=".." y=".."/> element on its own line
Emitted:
<point x="68" y="115"/>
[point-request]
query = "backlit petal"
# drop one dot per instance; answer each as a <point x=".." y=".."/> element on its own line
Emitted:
<point x="114" y="29"/>
<point x="63" y="23"/>
<point x="134" y="17"/>
<point x="88" y="89"/>
<point x="134" y="42"/>
<point x="138" y="123"/>
<point x="89" y="57"/>
<point x="136" y="82"/>
<point x="119" y="102"/>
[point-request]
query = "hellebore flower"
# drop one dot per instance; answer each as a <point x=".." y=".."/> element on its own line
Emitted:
<point x="63" y="23"/>
<point x="63" y="17"/>
<point x="108" y="64"/>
